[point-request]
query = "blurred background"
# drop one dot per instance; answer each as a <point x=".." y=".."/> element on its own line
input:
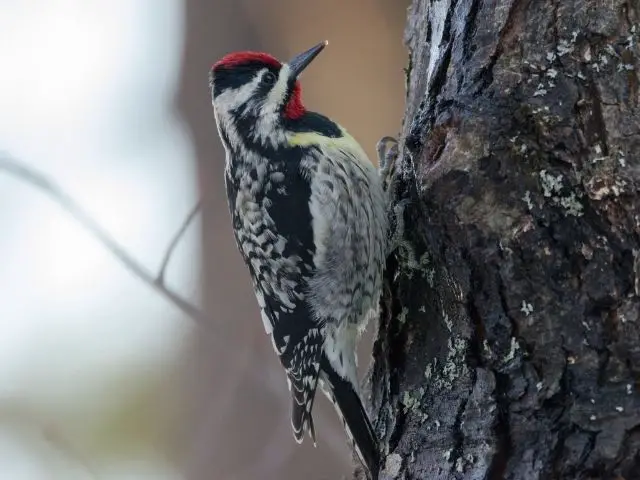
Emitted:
<point x="102" y="377"/>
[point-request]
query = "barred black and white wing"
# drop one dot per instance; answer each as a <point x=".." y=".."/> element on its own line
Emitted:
<point x="273" y="229"/>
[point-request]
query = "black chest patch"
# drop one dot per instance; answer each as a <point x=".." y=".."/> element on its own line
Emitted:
<point x="314" y="122"/>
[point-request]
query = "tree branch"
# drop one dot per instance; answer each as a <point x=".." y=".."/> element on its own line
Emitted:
<point x="38" y="180"/>
<point x="174" y="242"/>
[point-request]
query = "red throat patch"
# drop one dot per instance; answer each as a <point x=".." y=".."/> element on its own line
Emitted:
<point x="294" y="108"/>
<point x="238" y="58"/>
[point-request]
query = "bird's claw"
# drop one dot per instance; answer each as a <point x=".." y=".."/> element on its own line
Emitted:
<point x="387" y="148"/>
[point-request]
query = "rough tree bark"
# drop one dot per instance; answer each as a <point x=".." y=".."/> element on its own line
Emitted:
<point x="510" y="347"/>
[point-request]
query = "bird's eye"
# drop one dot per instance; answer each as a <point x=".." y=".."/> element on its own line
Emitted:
<point x="269" y="78"/>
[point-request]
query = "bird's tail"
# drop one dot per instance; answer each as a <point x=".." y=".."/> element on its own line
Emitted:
<point x="302" y="396"/>
<point x="344" y="396"/>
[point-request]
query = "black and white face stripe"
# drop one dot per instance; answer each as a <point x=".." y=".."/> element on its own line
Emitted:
<point x="279" y="92"/>
<point x="248" y="100"/>
<point x="234" y="77"/>
<point x="251" y="89"/>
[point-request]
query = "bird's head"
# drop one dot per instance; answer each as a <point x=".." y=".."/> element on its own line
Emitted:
<point x="253" y="91"/>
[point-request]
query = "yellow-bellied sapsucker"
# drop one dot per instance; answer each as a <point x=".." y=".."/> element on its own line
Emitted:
<point x="311" y="220"/>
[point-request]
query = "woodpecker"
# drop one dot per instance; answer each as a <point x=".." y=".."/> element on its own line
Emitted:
<point x="310" y="217"/>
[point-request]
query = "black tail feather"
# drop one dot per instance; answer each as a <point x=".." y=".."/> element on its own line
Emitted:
<point x="355" y="418"/>
<point x="301" y="406"/>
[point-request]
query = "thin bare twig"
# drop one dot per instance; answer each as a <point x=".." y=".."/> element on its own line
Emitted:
<point x="174" y="242"/>
<point x="47" y="186"/>
<point x="52" y="435"/>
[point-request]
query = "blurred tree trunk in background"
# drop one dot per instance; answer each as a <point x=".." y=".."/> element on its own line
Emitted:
<point x="238" y="407"/>
<point x="511" y="347"/>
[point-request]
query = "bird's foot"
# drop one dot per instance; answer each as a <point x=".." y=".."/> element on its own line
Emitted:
<point x="387" y="148"/>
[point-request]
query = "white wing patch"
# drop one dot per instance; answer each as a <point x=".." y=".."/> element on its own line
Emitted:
<point x="266" y="321"/>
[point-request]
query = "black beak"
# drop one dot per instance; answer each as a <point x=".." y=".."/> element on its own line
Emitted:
<point x="300" y="62"/>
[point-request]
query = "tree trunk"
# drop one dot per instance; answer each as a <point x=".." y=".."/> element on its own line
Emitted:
<point x="509" y="347"/>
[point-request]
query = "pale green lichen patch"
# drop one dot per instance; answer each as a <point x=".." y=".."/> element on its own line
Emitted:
<point x="402" y="317"/>
<point x="526" y="308"/>
<point x="447" y="454"/>
<point x="463" y="462"/>
<point x="429" y="371"/>
<point x="447" y="322"/>
<point x="486" y="349"/>
<point x="454" y="366"/>
<point x="551" y="185"/>
<point x="540" y="91"/>
<point x="554" y="189"/>
<point x="565" y="46"/>
<point x="527" y="199"/>
<point x="519" y="146"/>
<point x="410" y="401"/>
<point x="572" y="205"/>
<point x="515" y="346"/>
<point x="393" y="465"/>
<point x="456" y="348"/>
